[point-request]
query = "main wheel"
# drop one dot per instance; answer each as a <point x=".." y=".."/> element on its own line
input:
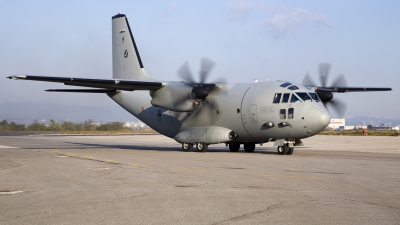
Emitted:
<point x="234" y="147"/>
<point x="280" y="150"/>
<point x="249" y="147"/>
<point x="285" y="149"/>
<point x="187" y="147"/>
<point x="290" y="151"/>
<point x="202" y="147"/>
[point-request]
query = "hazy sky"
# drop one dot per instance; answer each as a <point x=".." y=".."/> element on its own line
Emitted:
<point x="279" y="40"/>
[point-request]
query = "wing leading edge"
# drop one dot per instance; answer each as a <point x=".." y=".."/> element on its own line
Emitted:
<point x="353" y="89"/>
<point x="106" y="85"/>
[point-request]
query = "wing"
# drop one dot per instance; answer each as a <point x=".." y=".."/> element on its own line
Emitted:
<point x="106" y="85"/>
<point x="352" y="89"/>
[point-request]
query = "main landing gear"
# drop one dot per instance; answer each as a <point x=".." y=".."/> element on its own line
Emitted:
<point x="248" y="147"/>
<point x="201" y="147"/>
<point x="285" y="149"/>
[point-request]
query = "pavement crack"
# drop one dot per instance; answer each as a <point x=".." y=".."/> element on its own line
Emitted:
<point x="247" y="215"/>
<point x="373" y="203"/>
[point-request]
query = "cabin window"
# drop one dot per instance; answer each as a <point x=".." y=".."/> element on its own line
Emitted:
<point x="285" y="97"/>
<point x="277" y="97"/>
<point x="303" y="95"/>
<point x="285" y="84"/>
<point x="314" y="96"/>
<point x="294" y="98"/>
<point x="159" y="115"/>
<point x="290" y="113"/>
<point x="282" y="114"/>
<point x="294" y="87"/>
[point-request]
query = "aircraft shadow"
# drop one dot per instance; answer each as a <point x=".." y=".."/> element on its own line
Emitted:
<point x="270" y="151"/>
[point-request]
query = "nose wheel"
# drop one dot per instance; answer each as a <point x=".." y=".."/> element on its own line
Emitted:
<point x="285" y="150"/>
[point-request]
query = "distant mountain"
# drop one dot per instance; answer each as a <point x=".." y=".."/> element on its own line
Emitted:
<point x="29" y="112"/>
<point x="375" y="121"/>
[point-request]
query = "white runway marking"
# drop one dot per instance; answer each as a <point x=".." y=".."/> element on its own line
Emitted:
<point x="4" y="146"/>
<point x="10" y="192"/>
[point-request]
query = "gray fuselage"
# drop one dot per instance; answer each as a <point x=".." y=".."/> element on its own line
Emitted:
<point x="242" y="108"/>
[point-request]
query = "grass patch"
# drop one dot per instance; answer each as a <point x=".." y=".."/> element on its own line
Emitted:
<point x="360" y="133"/>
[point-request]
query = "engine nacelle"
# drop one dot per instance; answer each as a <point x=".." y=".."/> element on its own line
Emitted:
<point x="175" y="96"/>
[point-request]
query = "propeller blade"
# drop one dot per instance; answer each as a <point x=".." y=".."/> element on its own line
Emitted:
<point x="340" y="81"/>
<point x="205" y="67"/>
<point x="324" y="72"/>
<point x="338" y="106"/>
<point x="307" y="81"/>
<point x="222" y="80"/>
<point x="185" y="73"/>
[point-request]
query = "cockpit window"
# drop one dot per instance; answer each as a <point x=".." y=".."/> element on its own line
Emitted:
<point x="294" y="98"/>
<point x="303" y="95"/>
<point x="314" y="96"/>
<point x="285" y="97"/>
<point x="285" y="84"/>
<point x="294" y="87"/>
<point x="277" y="97"/>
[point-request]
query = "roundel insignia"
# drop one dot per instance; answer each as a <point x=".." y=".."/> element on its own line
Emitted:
<point x="126" y="53"/>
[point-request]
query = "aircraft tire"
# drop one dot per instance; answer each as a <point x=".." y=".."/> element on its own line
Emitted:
<point x="280" y="150"/>
<point x="187" y="147"/>
<point x="285" y="149"/>
<point x="290" y="151"/>
<point x="249" y="147"/>
<point x="202" y="147"/>
<point x="234" y="147"/>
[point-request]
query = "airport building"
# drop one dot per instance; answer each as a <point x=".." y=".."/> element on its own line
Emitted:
<point x="338" y="124"/>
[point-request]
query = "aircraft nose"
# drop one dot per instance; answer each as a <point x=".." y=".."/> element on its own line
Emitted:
<point x="318" y="118"/>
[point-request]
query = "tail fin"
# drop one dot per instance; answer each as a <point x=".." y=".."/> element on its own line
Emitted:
<point x="126" y="59"/>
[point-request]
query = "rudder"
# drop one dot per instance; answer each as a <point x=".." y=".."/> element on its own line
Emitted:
<point x="127" y="64"/>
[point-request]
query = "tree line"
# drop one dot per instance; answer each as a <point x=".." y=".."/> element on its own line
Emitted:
<point x="87" y="125"/>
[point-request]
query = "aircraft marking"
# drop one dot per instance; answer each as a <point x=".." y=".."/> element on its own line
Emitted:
<point x="4" y="146"/>
<point x="189" y="170"/>
<point x="294" y="177"/>
<point x="137" y="165"/>
<point x="110" y="161"/>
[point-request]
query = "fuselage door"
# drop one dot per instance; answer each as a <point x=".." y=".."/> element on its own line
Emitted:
<point x="253" y="113"/>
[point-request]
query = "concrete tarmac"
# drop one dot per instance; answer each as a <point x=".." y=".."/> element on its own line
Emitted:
<point x="147" y="179"/>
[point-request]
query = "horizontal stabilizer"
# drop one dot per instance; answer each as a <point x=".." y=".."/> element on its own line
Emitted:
<point x="126" y="85"/>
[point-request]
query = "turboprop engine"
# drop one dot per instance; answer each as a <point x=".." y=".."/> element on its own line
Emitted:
<point x="176" y="96"/>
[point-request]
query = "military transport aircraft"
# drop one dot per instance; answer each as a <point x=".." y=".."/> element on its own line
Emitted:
<point x="202" y="113"/>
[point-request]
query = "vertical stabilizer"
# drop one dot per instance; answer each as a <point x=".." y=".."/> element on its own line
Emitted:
<point x="126" y="59"/>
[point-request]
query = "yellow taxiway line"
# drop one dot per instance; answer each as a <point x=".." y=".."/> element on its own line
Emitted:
<point x="293" y="177"/>
<point x="189" y="170"/>
<point x="137" y="165"/>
